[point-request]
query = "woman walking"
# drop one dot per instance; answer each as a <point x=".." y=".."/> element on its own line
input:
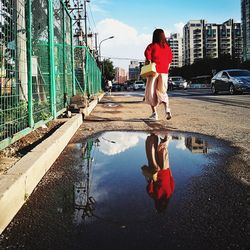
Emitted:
<point x="160" y="53"/>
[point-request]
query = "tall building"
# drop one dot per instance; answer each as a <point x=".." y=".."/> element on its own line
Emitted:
<point x="245" y="17"/>
<point x="193" y="39"/>
<point x="202" y="39"/>
<point x="211" y="40"/>
<point x="134" y="70"/>
<point x="230" y="39"/>
<point x="176" y="43"/>
<point x="120" y="75"/>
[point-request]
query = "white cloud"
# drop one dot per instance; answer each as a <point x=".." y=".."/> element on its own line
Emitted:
<point x="179" y="27"/>
<point x="181" y="144"/>
<point x="98" y="5"/>
<point x="127" y="42"/>
<point x="118" y="142"/>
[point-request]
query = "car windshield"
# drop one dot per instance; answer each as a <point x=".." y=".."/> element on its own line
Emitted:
<point x="239" y="73"/>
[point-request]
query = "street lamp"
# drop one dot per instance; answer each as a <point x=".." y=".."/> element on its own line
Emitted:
<point x="111" y="37"/>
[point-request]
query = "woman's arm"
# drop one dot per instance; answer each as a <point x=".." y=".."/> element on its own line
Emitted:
<point x="148" y="53"/>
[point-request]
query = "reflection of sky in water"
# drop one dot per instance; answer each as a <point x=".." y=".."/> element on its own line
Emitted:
<point x="112" y="143"/>
<point x="117" y="181"/>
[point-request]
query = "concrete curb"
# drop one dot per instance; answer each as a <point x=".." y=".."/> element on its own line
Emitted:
<point x="88" y="110"/>
<point x="17" y="184"/>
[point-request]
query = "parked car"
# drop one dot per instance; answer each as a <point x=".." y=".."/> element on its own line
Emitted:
<point x="177" y="82"/>
<point x="128" y="85"/>
<point x="116" y="87"/>
<point x="139" y="85"/>
<point x="232" y="80"/>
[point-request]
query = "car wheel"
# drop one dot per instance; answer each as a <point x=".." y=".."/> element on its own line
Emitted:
<point x="214" y="91"/>
<point x="231" y="89"/>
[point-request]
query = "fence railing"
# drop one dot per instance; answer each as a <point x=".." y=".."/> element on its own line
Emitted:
<point x="37" y="73"/>
<point x="88" y="75"/>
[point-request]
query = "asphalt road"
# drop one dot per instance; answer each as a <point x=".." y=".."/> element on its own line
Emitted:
<point x="241" y="100"/>
<point x="206" y="95"/>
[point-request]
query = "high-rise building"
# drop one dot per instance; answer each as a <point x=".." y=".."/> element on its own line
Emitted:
<point x="230" y="39"/>
<point x="193" y="41"/>
<point x="202" y="39"/>
<point x="176" y="43"/>
<point x="211" y="40"/>
<point x="134" y="70"/>
<point x="245" y="17"/>
<point x="120" y="75"/>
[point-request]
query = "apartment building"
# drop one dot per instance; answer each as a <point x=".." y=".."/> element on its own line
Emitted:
<point x="193" y="39"/>
<point x="211" y="40"/>
<point x="134" y="70"/>
<point x="245" y="17"/>
<point x="120" y="75"/>
<point x="230" y="39"/>
<point x="176" y="43"/>
<point x="202" y="39"/>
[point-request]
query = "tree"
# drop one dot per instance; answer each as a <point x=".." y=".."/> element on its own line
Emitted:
<point x="108" y="70"/>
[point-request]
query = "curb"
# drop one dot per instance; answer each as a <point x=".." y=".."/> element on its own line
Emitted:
<point x="88" y="110"/>
<point x="17" y="184"/>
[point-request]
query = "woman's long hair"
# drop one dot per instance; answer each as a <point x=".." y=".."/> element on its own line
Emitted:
<point x="159" y="37"/>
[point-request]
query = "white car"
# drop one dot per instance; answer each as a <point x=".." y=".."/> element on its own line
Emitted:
<point x="139" y="85"/>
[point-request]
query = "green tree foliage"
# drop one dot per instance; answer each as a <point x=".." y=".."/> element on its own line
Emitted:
<point x="108" y="70"/>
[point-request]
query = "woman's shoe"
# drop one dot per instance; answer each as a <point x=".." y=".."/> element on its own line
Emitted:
<point x="169" y="116"/>
<point x="154" y="117"/>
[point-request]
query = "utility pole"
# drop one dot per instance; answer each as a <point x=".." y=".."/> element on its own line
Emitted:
<point x="96" y="46"/>
<point x="85" y="19"/>
<point x="76" y="9"/>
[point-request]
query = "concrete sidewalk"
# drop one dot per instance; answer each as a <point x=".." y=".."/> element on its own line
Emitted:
<point x="18" y="182"/>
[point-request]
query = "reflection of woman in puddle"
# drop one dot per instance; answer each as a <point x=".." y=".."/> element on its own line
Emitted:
<point x="158" y="174"/>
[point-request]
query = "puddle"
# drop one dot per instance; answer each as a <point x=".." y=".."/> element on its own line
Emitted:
<point x="135" y="190"/>
<point x="111" y="105"/>
<point x="138" y="172"/>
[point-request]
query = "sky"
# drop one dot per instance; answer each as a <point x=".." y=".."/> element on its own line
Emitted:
<point x="132" y="22"/>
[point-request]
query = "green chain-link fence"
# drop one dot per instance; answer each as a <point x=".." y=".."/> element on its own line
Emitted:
<point x="88" y="75"/>
<point x="37" y="73"/>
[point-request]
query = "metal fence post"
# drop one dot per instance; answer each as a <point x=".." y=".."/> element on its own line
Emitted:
<point x="73" y="58"/>
<point x="65" y="87"/>
<point x="29" y="62"/>
<point x="52" y="59"/>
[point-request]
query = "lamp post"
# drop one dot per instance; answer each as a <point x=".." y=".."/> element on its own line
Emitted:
<point x="111" y="37"/>
<point x="85" y="21"/>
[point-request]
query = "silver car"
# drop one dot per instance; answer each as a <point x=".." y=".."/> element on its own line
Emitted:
<point x="177" y="82"/>
<point x="232" y="80"/>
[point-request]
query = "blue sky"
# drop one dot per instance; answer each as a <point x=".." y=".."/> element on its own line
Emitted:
<point x="133" y="21"/>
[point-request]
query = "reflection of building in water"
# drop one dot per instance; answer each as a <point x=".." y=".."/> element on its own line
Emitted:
<point x="196" y="145"/>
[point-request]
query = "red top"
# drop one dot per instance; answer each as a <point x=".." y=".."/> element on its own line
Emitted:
<point x="162" y="56"/>
<point x="164" y="186"/>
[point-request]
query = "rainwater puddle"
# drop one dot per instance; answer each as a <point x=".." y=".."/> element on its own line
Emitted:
<point x="111" y="105"/>
<point x="126" y="177"/>
<point x="134" y="190"/>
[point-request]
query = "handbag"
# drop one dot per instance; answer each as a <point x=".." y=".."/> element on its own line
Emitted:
<point x="148" y="70"/>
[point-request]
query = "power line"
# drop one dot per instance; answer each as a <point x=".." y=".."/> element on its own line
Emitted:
<point x="124" y="58"/>
<point x="91" y="13"/>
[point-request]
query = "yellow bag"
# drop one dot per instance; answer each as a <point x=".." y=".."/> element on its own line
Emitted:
<point x="148" y="70"/>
